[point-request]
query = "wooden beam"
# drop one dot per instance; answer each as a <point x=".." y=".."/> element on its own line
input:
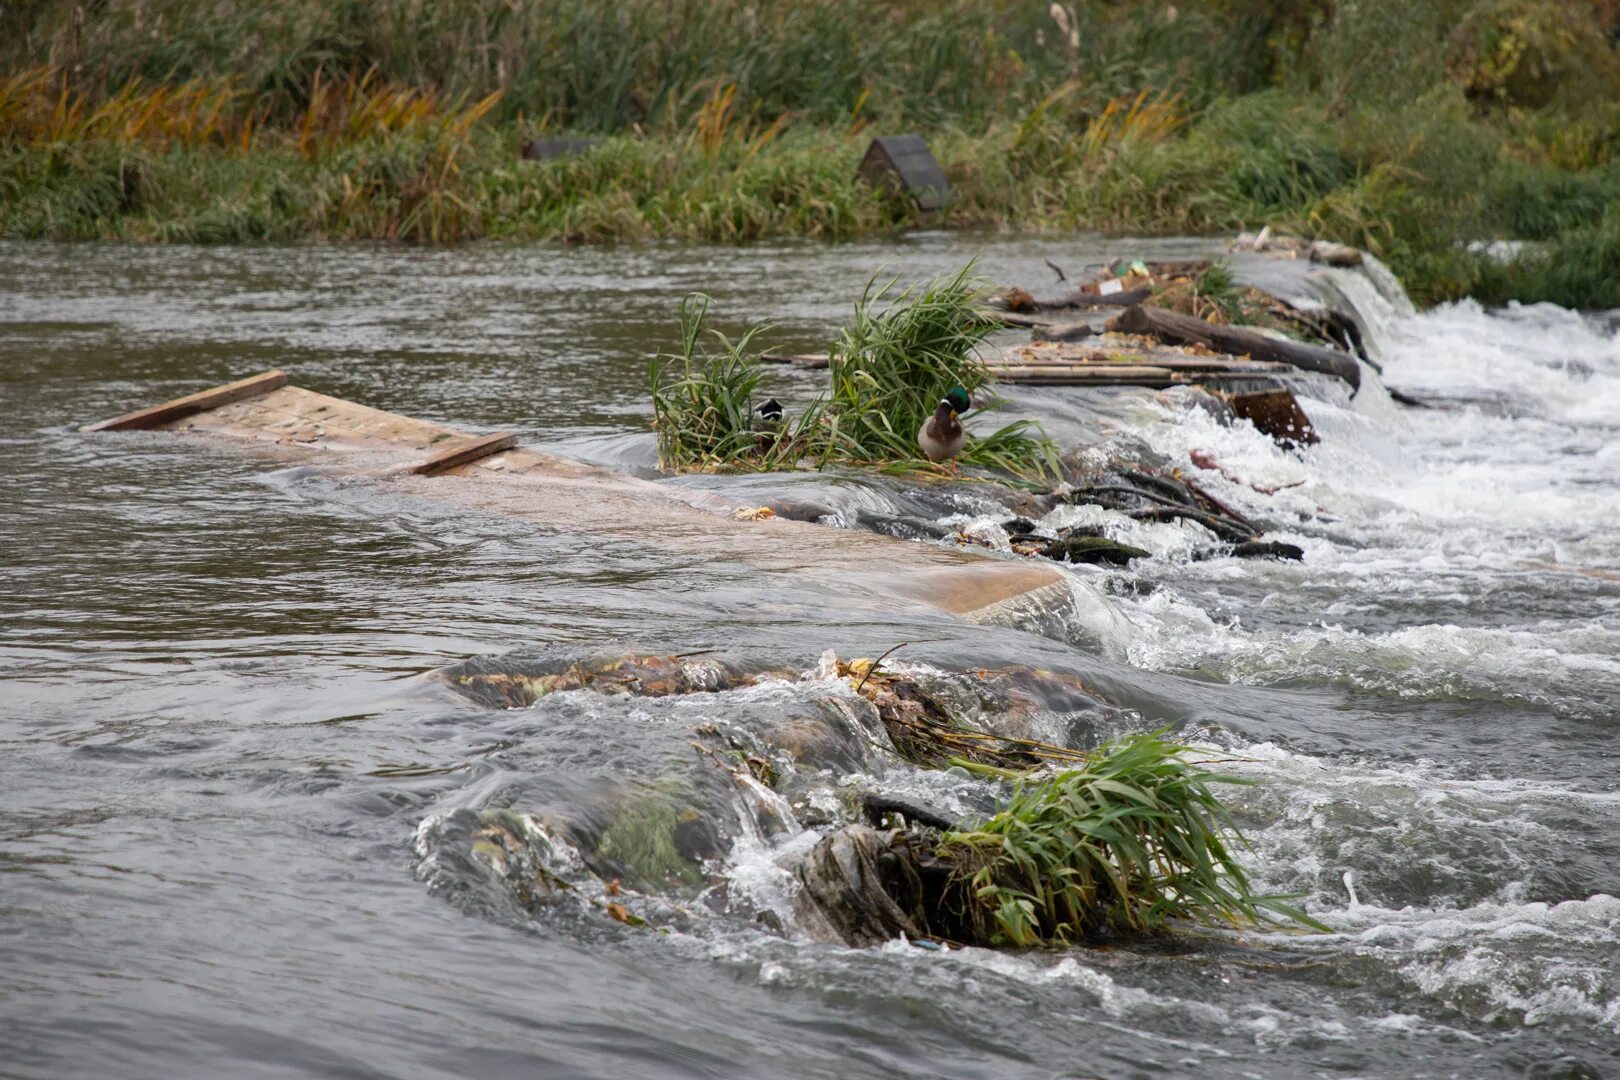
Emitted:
<point x="1013" y="319"/>
<point x="1064" y="332"/>
<point x="465" y="454"/>
<point x="194" y="403"/>
<point x="1081" y="299"/>
<point x="602" y="506"/>
<point x="1167" y="360"/>
<point x="1087" y="375"/>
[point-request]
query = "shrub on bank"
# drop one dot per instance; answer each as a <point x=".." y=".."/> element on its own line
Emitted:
<point x="1458" y="122"/>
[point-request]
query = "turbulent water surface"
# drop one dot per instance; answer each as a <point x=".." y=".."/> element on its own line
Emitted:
<point x="226" y="790"/>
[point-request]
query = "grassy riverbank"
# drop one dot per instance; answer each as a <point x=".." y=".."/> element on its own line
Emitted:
<point x="1415" y="130"/>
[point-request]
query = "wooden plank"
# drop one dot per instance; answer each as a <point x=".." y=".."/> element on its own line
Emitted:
<point x="1163" y="360"/>
<point x="466" y="453"/>
<point x="602" y="506"/>
<point x="169" y="411"/>
<point x="1091" y="375"/>
<point x="1084" y="300"/>
<point x="1079" y="371"/>
<point x="1059" y="333"/>
<point x="1127" y="351"/>
<point x="1014" y="319"/>
<point x="1154" y="376"/>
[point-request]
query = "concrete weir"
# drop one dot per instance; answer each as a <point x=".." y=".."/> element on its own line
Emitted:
<point x="491" y="473"/>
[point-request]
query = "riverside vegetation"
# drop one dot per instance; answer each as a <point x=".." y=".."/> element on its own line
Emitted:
<point x="1421" y="131"/>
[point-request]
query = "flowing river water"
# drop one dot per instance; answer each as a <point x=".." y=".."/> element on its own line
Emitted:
<point x="225" y="785"/>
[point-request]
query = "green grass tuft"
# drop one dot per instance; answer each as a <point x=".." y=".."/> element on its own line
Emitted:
<point x="897" y="358"/>
<point x="1130" y="843"/>
<point x="704" y="403"/>
<point x="889" y="368"/>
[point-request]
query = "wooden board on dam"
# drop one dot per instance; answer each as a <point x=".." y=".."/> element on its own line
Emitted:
<point x="1118" y="360"/>
<point x="489" y="473"/>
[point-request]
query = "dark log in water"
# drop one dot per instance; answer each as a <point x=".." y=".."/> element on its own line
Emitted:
<point x="1174" y="328"/>
<point x="1219" y="526"/>
<point x="1074" y="331"/>
<point x="1093" y="549"/>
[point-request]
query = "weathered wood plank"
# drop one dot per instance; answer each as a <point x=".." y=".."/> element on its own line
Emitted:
<point x="606" y="507"/>
<point x="1214" y="364"/>
<point x="1177" y="329"/>
<point x="1088" y="375"/>
<point x="1063" y="332"/>
<point x="1014" y="319"/>
<point x="466" y="453"/>
<point x="1083" y="300"/>
<point x="179" y="408"/>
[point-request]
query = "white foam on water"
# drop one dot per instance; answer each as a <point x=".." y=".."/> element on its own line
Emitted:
<point x="1536" y="360"/>
<point x="1402" y="827"/>
<point x="1523" y="963"/>
<point x="755" y="873"/>
<point x="1439" y="865"/>
<point x="1405" y="515"/>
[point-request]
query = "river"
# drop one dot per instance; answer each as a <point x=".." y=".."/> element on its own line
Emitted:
<point x="219" y="759"/>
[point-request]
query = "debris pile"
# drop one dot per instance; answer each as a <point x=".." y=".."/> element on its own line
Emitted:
<point x="1088" y="842"/>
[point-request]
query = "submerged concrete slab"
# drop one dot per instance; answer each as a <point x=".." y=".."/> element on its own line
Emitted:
<point x="292" y="423"/>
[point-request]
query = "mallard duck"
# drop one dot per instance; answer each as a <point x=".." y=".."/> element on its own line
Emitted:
<point x="941" y="437"/>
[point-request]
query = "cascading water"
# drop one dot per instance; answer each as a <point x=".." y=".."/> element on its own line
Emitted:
<point x="223" y="765"/>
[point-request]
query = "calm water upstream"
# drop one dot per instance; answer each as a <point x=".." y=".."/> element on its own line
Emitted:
<point x="221" y="773"/>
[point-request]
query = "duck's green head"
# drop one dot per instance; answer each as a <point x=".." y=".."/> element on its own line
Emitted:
<point x="959" y="399"/>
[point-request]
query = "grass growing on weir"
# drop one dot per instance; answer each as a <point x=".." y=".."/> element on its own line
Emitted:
<point x="890" y="367"/>
<point x="1421" y="131"/>
<point x="1132" y="842"/>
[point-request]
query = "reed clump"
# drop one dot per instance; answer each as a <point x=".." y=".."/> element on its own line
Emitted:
<point x="889" y="368"/>
<point x="1133" y="841"/>
<point x="705" y="410"/>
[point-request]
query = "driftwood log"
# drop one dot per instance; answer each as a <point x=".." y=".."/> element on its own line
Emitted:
<point x="1174" y="328"/>
<point x="1084" y="300"/>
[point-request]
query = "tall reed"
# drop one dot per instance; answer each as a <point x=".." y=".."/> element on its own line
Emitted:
<point x="1131" y="842"/>
<point x="888" y="370"/>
